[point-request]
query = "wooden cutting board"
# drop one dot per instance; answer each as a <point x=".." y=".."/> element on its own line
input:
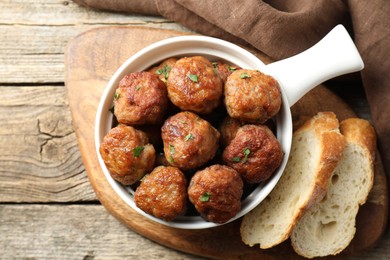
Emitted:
<point x="93" y="57"/>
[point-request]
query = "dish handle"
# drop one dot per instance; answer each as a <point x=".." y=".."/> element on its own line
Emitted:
<point x="334" y="55"/>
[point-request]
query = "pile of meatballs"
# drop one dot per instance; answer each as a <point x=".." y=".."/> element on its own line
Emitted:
<point x="191" y="133"/>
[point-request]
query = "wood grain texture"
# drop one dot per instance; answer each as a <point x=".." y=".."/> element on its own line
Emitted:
<point x="39" y="157"/>
<point x="72" y="232"/>
<point x="90" y="61"/>
<point x="88" y="232"/>
<point x="34" y="35"/>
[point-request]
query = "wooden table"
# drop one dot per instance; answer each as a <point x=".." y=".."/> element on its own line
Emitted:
<point x="47" y="207"/>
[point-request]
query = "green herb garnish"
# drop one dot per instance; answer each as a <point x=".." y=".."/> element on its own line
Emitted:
<point x="205" y="197"/>
<point x="164" y="71"/>
<point x="193" y="78"/>
<point x="231" y="69"/>
<point x="188" y="137"/>
<point x="236" y="159"/>
<point x="137" y="151"/>
<point x="245" y="75"/>
<point x="246" y="154"/>
<point x="137" y="87"/>
<point x="116" y="96"/>
<point x="167" y="70"/>
<point x="172" y="151"/>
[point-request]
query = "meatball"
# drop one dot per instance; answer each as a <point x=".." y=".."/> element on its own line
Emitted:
<point x="141" y="98"/>
<point x="189" y="141"/>
<point x="127" y="154"/>
<point x="252" y="96"/>
<point x="163" y="193"/>
<point x="228" y="129"/>
<point x="224" y="69"/>
<point x="164" y="68"/>
<point x="216" y="193"/>
<point x="194" y="85"/>
<point x="254" y="152"/>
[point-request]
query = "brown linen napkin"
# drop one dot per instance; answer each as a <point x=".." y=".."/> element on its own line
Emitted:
<point x="282" y="28"/>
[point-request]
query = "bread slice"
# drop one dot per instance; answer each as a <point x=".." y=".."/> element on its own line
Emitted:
<point x="317" y="147"/>
<point x="328" y="227"/>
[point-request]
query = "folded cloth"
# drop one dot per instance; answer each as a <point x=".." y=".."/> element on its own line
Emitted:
<point x="282" y="28"/>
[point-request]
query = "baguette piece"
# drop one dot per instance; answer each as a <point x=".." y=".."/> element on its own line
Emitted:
<point x="317" y="147"/>
<point x="329" y="227"/>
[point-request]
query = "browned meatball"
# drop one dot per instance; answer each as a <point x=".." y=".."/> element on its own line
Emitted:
<point x="252" y="96"/>
<point x="224" y="69"/>
<point x="216" y="193"/>
<point x="163" y="193"/>
<point x="189" y="141"/>
<point x="228" y="129"/>
<point x="254" y="152"/>
<point x="194" y="85"/>
<point x="127" y="154"/>
<point x="164" y="68"/>
<point x="141" y="98"/>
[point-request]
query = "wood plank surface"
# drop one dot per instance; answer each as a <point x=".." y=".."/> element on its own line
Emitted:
<point x="72" y="232"/>
<point x="95" y="55"/>
<point x="57" y="231"/>
<point x="34" y="34"/>
<point x="39" y="156"/>
<point x="45" y="196"/>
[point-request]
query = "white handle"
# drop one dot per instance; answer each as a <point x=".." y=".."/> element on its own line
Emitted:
<point x="334" y="55"/>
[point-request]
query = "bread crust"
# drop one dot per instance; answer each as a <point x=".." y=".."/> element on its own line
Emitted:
<point x="329" y="227"/>
<point x="360" y="131"/>
<point x="325" y="128"/>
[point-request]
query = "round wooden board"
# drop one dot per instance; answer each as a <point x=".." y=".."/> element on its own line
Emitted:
<point x="93" y="57"/>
